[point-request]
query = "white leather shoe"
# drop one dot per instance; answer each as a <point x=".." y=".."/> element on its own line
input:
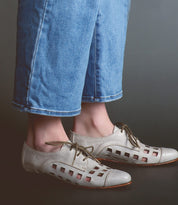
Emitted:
<point x="74" y="164"/>
<point x="122" y="146"/>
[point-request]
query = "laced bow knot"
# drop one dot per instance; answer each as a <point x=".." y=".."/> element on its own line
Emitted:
<point x="78" y="148"/>
<point x="132" y="139"/>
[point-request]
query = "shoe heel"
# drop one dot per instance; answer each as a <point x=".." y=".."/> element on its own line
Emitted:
<point x="26" y="160"/>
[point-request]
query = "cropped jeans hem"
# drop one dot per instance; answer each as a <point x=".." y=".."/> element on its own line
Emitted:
<point x="103" y="98"/>
<point x="41" y="111"/>
<point x="56" y="113"/>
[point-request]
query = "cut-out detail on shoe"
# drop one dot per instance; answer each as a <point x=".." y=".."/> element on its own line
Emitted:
<point x="127" y="154"/>
<point x="118" y="152"/>
<point x="144" y="159"/>
<point x="135" y="156"/>
<point x="71" y="172"/>
<point x="147" y="146"/>
<point x="96" y="167"/>
<point x="92" y="172"/>
<point x="79" y="176"/>
<point x="155" y="154"/>
<point x="104" y="170"/>
<point x="146" y="151"/>
<point x="88" y="179"/>
<point x="62" y="169"/>
<point x="100" y="174"/>
<point x="54" y="166"/>
<point x="109" y="149"/>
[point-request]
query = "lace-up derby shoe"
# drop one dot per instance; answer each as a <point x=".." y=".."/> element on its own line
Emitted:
<point x="122" y="146"/>
<point x="75" y="164"/>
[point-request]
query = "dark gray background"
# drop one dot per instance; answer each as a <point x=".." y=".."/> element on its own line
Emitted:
<point x="149" y="107"/>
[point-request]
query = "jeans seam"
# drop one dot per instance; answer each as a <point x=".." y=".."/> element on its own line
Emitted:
<point x="95" y="64"/>
<point x="99" y="100"/>
<point x="35" y="49"/>
<point x="100" y="97"/>
<point x="33" y="108"/>
<point x="96" y="52"/>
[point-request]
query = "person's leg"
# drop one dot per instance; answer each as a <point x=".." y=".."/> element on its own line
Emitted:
<point x="53" y="42"/>
<point x="53" y="45"/>
<point x="52" y="54"/>
<point x="42" y="129"/>
<point x="103" y="84"/>
<point x="103" y="81"/>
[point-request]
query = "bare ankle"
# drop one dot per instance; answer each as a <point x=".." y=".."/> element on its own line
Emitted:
<point x="93" y="121"/>
<point x="43" y="129"/>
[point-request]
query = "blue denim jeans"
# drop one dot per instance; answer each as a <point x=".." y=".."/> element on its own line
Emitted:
<point x="68" y="52"/>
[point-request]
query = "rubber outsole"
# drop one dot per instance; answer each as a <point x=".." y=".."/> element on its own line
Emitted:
<point x="141" y="165"/>
<point x="108" y="187"/>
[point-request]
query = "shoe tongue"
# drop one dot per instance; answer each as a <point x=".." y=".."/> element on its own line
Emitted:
<point x="115" y="129"/>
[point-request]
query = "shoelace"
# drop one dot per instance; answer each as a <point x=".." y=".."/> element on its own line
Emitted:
<point x="133" y="140"/>
<point x="78" y="148"/>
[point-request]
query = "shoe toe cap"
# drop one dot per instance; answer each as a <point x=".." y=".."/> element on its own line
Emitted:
<point x="168" y="154"/>
<point x="117" y="177"/>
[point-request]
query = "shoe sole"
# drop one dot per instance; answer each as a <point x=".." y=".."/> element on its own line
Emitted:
<point x="141" y="165"/>
<point x="107" y="187"/>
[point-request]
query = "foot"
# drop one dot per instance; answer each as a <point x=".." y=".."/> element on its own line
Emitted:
<point x="93" y="120"/>
<point x="73" y="163"/>
<point x="123" y="146"/>
<point x="44" y="128"/>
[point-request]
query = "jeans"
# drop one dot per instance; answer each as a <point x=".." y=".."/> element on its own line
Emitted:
<point x="68" y="52"/>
